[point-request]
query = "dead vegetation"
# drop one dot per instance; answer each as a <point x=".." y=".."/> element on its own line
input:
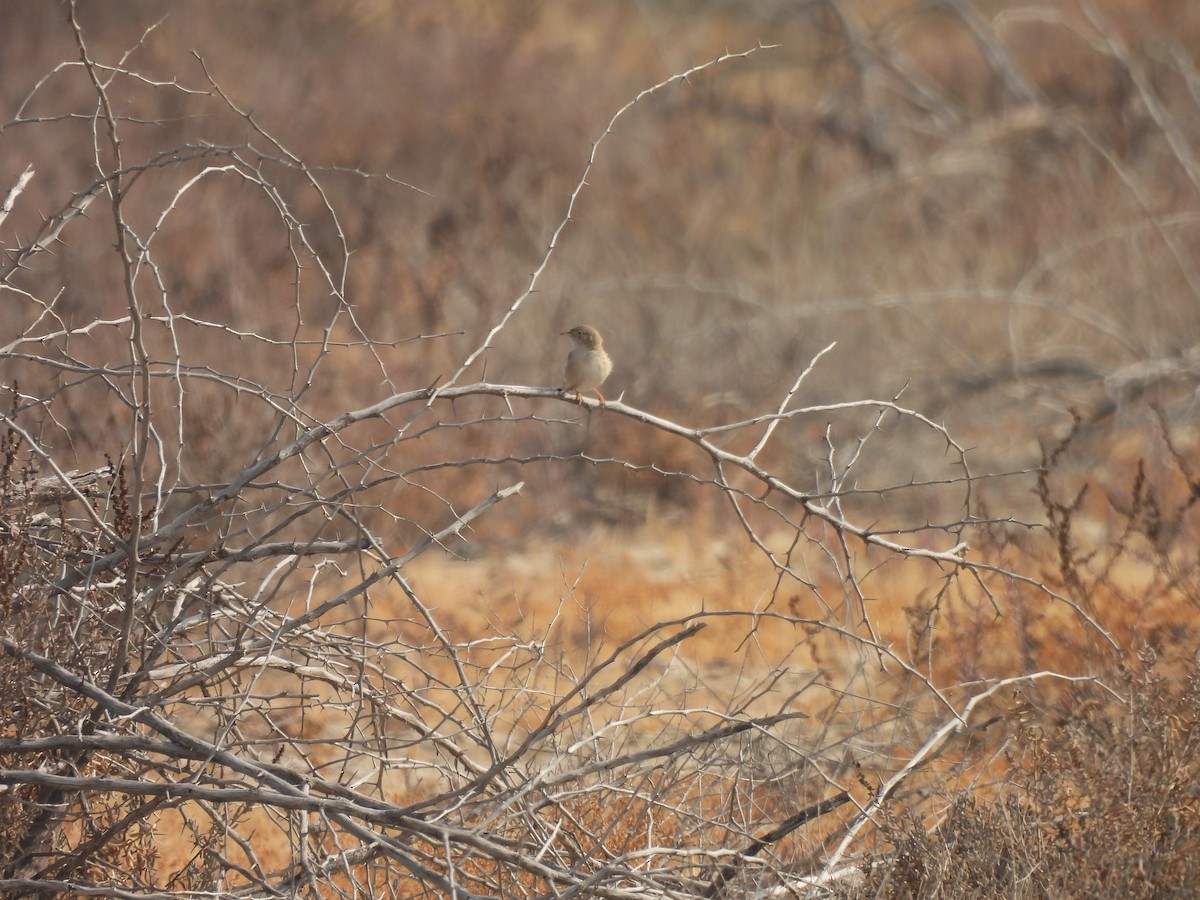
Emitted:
<point x="875" y="578"/>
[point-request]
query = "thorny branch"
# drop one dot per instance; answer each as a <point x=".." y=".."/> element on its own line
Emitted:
<point x="246" y="652"/>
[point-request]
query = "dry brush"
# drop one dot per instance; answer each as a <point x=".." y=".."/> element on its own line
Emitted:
<point x="213" y="633"/>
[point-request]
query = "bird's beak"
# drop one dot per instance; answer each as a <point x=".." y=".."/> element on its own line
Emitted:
<point x="564" y="332"/>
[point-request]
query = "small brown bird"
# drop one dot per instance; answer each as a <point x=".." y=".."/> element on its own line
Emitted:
<point x="587" y="365"/>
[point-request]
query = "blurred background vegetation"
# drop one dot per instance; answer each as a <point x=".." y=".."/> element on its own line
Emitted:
<point x="990" y="206"/>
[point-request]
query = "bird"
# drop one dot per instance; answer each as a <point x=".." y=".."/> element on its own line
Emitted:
<point x="587" y="364"/>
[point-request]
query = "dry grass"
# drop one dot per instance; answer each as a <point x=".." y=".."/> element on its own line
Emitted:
<point x="1020" y="271"/>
